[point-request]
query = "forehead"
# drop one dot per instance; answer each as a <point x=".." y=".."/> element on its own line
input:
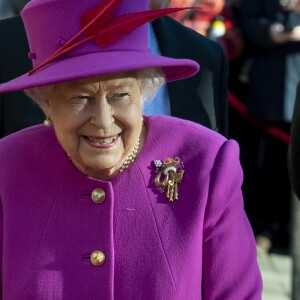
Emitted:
<point x="113" y="80"/>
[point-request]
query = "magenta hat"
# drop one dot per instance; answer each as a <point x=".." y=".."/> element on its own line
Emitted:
<point x="76" y="39"/>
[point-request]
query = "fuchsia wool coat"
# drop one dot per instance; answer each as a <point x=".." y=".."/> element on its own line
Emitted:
<point x="199" y="247"/>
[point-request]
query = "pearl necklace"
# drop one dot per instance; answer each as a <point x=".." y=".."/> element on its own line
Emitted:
<point x="131" y="157"/>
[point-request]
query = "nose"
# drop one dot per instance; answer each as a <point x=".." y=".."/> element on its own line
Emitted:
<point x="102" y="114"/>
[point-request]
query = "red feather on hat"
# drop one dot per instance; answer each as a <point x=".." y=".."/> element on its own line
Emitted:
<point x="100" y="27"/>
<point x="125" y="24"/>
<point x="94" y="18"/>
<point x="98" y="16"/>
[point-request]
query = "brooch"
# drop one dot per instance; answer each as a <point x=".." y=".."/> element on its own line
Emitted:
<point x="169" y="174"/>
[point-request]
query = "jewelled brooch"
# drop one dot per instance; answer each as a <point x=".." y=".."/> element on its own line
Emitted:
<point x="169" y="174"/>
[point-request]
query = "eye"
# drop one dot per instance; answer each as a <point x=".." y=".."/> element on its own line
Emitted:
<point x="80" y="99"/>
<point x="119" y="96"/>
<point x="122" y="95"/>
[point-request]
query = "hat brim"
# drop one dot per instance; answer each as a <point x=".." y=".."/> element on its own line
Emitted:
<point x="101" y="63"/>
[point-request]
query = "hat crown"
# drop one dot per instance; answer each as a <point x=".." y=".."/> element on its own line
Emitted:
<point x="76" y="39"/>
<point x="51" y="23"/>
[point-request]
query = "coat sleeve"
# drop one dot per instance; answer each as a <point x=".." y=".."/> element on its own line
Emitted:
<point x="230" y="269"/>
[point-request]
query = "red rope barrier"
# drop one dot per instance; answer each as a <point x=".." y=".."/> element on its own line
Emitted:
<point x="243" y="110"/>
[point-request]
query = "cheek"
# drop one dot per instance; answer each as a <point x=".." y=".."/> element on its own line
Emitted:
<point x="67" y="134"/>
<point x="129" y="114"/>
<point x="133" y="117"/>
<point x="131" y="121"/>
<point x="135" y="126"/>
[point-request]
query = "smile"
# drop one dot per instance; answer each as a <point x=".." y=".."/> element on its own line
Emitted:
<point x="101" y="142"/>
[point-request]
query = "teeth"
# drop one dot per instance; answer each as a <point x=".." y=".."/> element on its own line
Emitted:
<point x="103" y="141"/>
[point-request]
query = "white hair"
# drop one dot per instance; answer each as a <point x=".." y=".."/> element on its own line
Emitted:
<point x="151" y="79"/>
<point x="39" y="94"/>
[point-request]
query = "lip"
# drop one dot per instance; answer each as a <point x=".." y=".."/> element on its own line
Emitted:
<point x="101" y="142"/>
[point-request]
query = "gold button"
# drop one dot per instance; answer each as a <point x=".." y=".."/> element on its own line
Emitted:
<point x="98" y="195"/>
<point x="97" y="258"/>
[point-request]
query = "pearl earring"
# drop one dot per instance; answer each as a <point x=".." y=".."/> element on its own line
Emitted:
<point x="47" y="122"/>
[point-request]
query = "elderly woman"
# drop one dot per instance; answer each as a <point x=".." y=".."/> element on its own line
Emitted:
<point x="101" y="202"/>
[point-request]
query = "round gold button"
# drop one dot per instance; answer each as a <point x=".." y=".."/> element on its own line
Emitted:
<point x="97" y="258"/>
<point x="98" y="195"/>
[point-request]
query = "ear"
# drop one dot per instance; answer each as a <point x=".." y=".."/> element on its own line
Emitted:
<point x="45" y="105"/>
<point x="42" y="96"/>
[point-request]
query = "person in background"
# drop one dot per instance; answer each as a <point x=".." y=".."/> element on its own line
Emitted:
<point x="271" y="27"/>
<point x="213" y="19"/>
<point x="106" y="203"/>
<point x="206" y="92"/>
<point x="199" y="19"/>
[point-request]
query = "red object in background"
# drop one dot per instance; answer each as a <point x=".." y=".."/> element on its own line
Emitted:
<point x="198" y="19"/>
<point x="211" y="18"/>
<point x="242" y="109"/>
<point x="232" y="41"/>
<point x="181" y="16"/>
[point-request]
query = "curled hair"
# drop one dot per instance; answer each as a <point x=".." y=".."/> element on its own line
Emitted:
<point x="151" y="79"/>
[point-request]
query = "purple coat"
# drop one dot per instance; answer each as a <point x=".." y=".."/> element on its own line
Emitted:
<point x="199" y="247"/>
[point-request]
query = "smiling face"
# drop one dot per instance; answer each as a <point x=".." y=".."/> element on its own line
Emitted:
<point x="98" y="120"/>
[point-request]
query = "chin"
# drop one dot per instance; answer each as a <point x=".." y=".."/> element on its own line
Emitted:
<point x="102" y="166"/>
